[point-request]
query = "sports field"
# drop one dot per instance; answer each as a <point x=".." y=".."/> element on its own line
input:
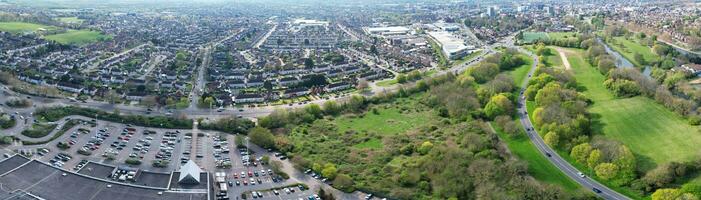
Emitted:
<point x="78" y="37"/>
<point x="655" y="134"/>
<point x="70" y="20"/>
<point x="22" y="27"/>
<point x="530" y="37"/>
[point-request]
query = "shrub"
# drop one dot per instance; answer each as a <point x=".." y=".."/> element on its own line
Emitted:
<point x="133" y="161"/>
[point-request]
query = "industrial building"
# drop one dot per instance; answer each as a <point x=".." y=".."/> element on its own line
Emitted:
<point x="452" y="46"/>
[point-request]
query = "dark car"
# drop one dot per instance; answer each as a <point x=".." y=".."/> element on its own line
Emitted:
<point x="596" y="190"/>
<point x="548" y="154"/>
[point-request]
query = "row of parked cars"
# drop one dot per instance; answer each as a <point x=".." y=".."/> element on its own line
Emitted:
<point x="60" y="159"/>
<point x="221" y="152"/>
<point x="165" y="149"/>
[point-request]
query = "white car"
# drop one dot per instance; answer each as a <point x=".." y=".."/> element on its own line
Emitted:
<point x="581" y="175"/>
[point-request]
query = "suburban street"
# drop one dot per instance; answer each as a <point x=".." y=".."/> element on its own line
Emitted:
<point x="549" y="153"/>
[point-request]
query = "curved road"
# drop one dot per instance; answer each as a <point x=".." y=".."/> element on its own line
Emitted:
<point x="552" y="156"/>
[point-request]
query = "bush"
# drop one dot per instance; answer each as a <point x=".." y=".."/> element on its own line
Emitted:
<point x="7" y="122"/>
<point x="62" y="145"/>
<point x="133" y="161"/>
<point x="160" y="163"/>
<point x="39" y="130"/>
<point x="694" y="120"/>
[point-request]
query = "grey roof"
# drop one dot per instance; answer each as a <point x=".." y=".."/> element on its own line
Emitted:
<point x="190" y="173"/>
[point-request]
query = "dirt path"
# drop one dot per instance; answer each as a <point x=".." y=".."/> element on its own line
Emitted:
<point x="563" y="57"/>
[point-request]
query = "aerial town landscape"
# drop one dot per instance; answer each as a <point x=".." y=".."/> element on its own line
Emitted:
<point x="350" y="99"/>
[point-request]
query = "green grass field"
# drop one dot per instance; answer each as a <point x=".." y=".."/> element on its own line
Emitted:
<point x="22" y="27"/>
<point x="374" y="143"/>
<point x="388" y="82"/>
<point x="538" y="166"/>
<point x="78" y="37"/>
<point x="530" y="37"/>
<point x="562" y="35"/>
<point x="628" y="48"/>
<point x="388" y="122"/>
<point x="654" y="133"/>
<point x="550" y="60"/>
<point x="519" y="73"/>
<point x="70" y="20"/>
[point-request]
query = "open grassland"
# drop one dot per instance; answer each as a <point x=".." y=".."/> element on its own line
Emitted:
<point x="389" y="120"/>
<point x="654" y="133"/>
<point x="78" y="37"/>
<point x="22" y="27"/>
<point x="628" y="48"/>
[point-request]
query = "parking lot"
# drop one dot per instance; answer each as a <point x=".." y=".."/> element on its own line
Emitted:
<point x="114" y="144"/>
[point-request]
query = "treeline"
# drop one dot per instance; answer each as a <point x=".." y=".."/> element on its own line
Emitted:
<point x="561" y="114"/>
<point x="57" y="113"/>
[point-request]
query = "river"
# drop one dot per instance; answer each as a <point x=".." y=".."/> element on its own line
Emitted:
<point x="622" y="62"/>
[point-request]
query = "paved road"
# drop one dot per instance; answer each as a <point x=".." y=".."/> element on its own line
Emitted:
<point x="554" y="158"/>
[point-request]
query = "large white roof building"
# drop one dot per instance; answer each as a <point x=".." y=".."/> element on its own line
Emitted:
<point x="451" y="46"/>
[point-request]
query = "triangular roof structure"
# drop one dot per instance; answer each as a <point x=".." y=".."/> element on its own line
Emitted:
<point x="190" y="173"/>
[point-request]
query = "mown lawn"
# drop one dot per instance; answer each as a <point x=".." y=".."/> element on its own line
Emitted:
<point x="78" y="37"/>
<point x="628" y="48"/>
<point x="529" y="37"/>
<point x="654" y="133"/>
<point x="562" y="35"/>
<point x="21" y="27"/>
<point x="519" y="73"/>
<point x="538" y="166"/>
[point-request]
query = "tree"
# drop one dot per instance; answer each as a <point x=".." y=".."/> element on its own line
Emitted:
<point x="666" y="194"/>
<point x="262" y="137"/>
<point x="581" y="152"/>
<point x="268" y="85"/>
<point x="373" y="49"/>
<point x="605" y="65"/>
<point x="498" y="105"/>
<point x="308" y="63"/>
<point x="240" y="141"/>
<point x="484" y="72"/>
<point x="552" y="139"/>
<point x="639" y="58"/>
<point x="209" y="101"/>
<point x="401" y="78"/>
<point x="594" y="158"/>
<point x="606" y="171"/>
<point x="425" y="147"/>
<point x="344" y="183"/>
<point x="331" y="108"/>
<point x="329" y="171"/>
<point x="362" y="85"/>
